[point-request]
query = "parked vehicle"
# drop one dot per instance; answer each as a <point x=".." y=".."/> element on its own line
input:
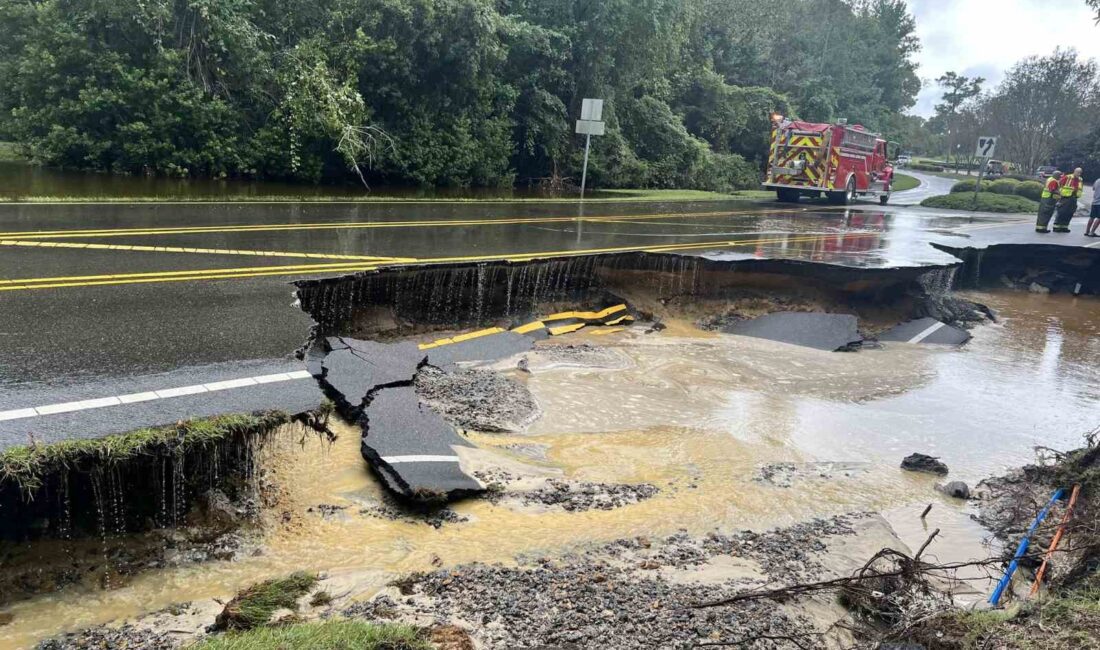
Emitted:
<point x="840" y="161"/>
<point x="1045" y="172"/>
<point x="903" y="160"/>
<point x="995" y="168"/>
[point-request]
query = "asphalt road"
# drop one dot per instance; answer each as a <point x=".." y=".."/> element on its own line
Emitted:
<point x="930" y="185"/>
<point x="96" y="295"/>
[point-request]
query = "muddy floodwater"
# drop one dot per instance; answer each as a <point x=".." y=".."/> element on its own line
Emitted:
<point x="735" y="433"/>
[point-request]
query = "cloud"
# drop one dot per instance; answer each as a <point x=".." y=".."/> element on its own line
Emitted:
<point x="986" y="37"/>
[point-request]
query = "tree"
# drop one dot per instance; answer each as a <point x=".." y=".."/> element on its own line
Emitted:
<point x="958" y="90"/>
<point x="1042" y="102"/>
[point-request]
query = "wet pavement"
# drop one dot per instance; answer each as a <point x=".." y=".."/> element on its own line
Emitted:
<point x="92" y="294"/>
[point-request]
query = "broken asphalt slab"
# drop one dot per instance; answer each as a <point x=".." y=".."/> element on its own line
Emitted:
<point x="412" y="446"/>
<point x="353" y="368"/>
<point x="486" y="348"/>
<point x="926" y="330"/>
<point x="829" y="332"/>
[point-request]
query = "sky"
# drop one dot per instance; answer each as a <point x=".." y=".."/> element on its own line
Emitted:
<point x="985" y="37"/>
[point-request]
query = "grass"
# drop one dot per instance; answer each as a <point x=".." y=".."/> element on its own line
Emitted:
<point x="985" y="202"/>
<point x="602" y="196"/>
<point x="334" y="634"/>
<point x="8" y="152"/>
<point x="26" y="466"/>
<point x="903" y="182"/>
<point x="253" y="607"/>
<point x="1064" y="622"/>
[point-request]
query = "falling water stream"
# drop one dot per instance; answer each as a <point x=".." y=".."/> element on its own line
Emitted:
<point x="695" y="414"/>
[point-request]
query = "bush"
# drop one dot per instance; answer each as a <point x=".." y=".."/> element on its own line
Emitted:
<point x="963" y="186"/>
<point x="1030" y="190"/>
<point x="985" y="202"/>
<point x="1005" y="186"/>
<point x="921" y="167"/>
<point x="1020" y="177"/>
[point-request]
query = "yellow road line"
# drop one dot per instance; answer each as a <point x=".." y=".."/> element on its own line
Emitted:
<point x="298" y="268"/>
<point x="218" y="274"/>
<point x="526" y="257"/>
<point x="200" y="251"/>
<point x="189" y="230"/>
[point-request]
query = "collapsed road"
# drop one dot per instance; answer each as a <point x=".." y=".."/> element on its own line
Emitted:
<point x="369" y="330"/>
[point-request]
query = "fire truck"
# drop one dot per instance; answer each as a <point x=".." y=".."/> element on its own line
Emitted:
<point x="840" y="161"/>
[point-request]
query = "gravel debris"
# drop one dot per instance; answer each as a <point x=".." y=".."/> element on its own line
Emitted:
<point x="394" y="510"/>
<point x="478" y="400"/>
<point x="579" y="497"/>
<point x="615" y="596"/>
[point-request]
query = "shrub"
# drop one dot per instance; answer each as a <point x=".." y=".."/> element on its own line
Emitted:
<point x="922" y="167"/>
<point x="1030" y="190"/>
<point x="963" y="186"/>
<point x="984" y="202"/>
<point x="1005" y="186"/>
<point x="332" y="634"/>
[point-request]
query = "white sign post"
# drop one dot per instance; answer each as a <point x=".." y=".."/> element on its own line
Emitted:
<point x="590" y="124"/>
<point x="987" y="147"/>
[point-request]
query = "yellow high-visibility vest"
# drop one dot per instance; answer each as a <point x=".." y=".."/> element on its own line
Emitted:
<point x="1051" y="188"/>
<point x="1071" y="187"/>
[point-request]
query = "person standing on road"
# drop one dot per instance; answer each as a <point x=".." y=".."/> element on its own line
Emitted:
<point x="1094" y="216"/>
<point x="1072" y="188"/>
<point x="1051" y="193"/>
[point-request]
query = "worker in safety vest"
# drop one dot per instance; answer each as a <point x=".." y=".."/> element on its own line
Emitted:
<point x="1052" y="193"/>
<point x="1072" y="188"/>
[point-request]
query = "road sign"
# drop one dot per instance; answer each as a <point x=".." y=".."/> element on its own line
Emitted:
<point x="592" y="110"/>
<point x="590" y="124"/>
<point x="588" y="127"/>
<point x="987" y="147"/>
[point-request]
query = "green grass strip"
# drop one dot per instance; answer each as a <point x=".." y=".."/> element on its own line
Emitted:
<point x="335" y="634"/>
<point x="27" y="466"/>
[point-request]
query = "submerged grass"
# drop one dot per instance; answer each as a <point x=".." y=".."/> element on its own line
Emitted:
<point x="335" y="634"/>
<point x="600" y="196"/>
<point x="253" y="607"/>
<point x="27" y="466"/>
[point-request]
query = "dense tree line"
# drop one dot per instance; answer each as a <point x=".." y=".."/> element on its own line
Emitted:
<point x="441" y="92"/>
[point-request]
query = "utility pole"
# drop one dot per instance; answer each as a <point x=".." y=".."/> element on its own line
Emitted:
<point x="590" y="124"/>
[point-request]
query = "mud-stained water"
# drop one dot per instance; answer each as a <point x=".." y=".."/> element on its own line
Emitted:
<point x="736" y="433"/>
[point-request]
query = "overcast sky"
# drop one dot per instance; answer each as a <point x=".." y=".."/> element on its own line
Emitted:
<point x="985" y="37"/>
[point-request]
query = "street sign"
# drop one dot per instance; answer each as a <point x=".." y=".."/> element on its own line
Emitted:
<point x="590" y="124"/>
<point x="987" y="147"/>
<point x="592" y="110"/>
<point x="588" y="127"/>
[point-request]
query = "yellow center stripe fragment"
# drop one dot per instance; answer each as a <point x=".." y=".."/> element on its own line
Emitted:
<point x="200" y="251"/>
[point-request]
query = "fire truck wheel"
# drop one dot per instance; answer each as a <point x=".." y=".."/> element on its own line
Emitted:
<point x="884" y="199"/>
<point x="847" y="197"/>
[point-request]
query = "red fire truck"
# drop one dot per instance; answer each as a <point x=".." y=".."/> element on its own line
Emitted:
<point x="840" y="161"/>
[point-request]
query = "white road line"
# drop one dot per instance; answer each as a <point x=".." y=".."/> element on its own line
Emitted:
<point x="167" y="393"/>
<point x="928" y="332"/>
<point x="396" y="460"/>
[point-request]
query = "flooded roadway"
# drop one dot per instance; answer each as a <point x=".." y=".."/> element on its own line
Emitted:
<point x="697" y="415"/>
<point x="108" y="290"/>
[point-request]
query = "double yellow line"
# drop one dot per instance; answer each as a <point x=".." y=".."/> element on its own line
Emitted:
<point x="311" y="269"/>
<point x="177" y="276"/>
<point x="359" y="225"/>
<point x="31" y="243"/>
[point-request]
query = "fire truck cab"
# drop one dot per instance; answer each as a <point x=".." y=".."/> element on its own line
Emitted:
<point x="839" y="161"/>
